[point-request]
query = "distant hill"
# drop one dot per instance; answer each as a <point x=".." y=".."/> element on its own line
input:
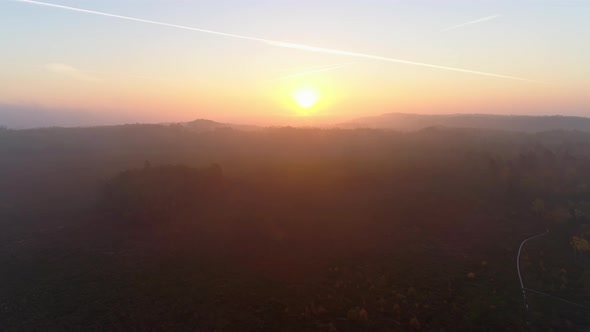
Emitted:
<point x="25" y="116"/>
<point x="409" y="122"/>
<point x="209" y="125"/>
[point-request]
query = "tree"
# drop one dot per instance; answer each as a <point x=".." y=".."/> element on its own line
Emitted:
<point x="538" y="208"/>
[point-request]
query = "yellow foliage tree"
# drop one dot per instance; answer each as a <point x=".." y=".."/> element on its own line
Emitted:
<point x="580" y="244"/>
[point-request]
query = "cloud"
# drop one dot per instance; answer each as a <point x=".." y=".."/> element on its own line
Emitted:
<point x="302" y="47"/>
<point x="479" y="20"/>
<point x="69" y="71"/>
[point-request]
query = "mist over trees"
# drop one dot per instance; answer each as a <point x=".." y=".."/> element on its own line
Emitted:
<point x="208" y="227"/>
<point x="523" y="123"/>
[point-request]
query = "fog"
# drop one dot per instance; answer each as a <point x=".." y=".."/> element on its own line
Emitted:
<point x="211" y="226"/>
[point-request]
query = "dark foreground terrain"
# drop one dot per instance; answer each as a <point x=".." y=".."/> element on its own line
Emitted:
<point x="165" y="227"/>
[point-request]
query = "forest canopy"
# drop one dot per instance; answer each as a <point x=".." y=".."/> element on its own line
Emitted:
<point x="329" y="229"/>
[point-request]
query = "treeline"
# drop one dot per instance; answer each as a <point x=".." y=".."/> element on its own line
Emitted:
<point x="154" y="193"/>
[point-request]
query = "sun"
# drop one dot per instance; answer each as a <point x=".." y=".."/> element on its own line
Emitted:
<point x="306" y="97"/>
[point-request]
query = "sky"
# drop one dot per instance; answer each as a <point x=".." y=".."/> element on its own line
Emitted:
<point x="258" y="58"/>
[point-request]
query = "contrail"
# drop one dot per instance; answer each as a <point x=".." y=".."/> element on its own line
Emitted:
<point x="282" y="44"/>
<point x="382" y="58"/>
<point x="304" y="68"/>
<point x="314" y="71"/>
<point x="479" y="20"/>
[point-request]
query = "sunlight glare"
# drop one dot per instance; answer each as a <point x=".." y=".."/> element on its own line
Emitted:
<point x="306" y="97"/>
